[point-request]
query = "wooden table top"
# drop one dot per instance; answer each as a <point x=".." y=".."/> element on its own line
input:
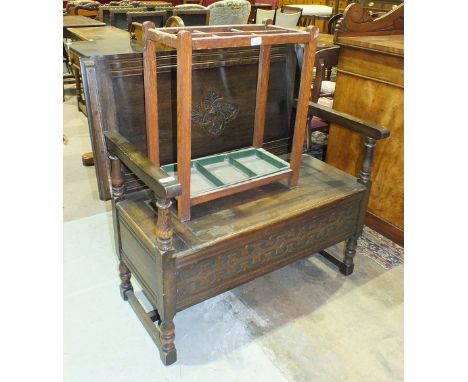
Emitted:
<point x="393" y="44"/>
<point x="98" y="48"/>
<point x="80" y="22"/>
<point x="101" y="33"/>
<point x="325" y="40"/>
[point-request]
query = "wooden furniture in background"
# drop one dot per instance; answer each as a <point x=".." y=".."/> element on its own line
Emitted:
<point x="370" y="85"/>
<point x="332" y="22"/>
<point x="193" y="17"/>
<point x="78" y="22"/>
<point x="105" y="11"/>
<point x="89" y="9"/>
<point x="118" y="17"/>
<point x="261" y="15"/>
<point x="338" y="6"/>
<point x="136" y="28"/>
<point x="234" y="239"/>
<point x="317" y="15"/>
<point x="229" y="12"/>
<point x="325" y="60"/>
<point x="255" y="7"/>
<point x="112" y="35"/>
<point x="288" y="17"/>
<point x="379" y="5"/>
<point x="173" y="22"/>
<point x="157" y="17"/>
<point x="75" y="22"/>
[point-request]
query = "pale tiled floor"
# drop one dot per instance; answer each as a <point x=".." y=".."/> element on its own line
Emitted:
<point x="305" y="322"/>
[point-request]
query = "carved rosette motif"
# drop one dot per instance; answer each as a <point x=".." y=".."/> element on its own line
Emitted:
<point x="314" y="234"/>
<point x="213" y="113"/>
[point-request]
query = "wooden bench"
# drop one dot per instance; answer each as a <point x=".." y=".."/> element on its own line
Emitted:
<point x="236" y="238"/>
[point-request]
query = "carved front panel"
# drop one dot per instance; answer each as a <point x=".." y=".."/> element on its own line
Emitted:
<point x="278" y="246"/>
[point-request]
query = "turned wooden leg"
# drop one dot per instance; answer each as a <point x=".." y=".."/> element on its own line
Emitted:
<point x="168" y="351"/>
<point x="125" y="276"/>
<point x="87" y="159"/>
<point x="348" y="265"/>
<point x="165" y="258"/>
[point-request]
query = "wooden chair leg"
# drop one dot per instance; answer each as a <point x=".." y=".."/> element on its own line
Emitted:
<point x="87" y="159"/>
<point x="168" y="351"/>
<point x="163" y="335"/>
<point x="125" y="284"/>
<point x="347" y="266"/>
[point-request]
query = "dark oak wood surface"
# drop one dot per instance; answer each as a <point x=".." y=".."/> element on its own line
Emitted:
<point x="319" y="184"/>
<point x="237" y="238"/>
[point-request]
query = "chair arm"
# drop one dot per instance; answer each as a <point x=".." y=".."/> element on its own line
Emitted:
<point x="163" y="185"/>
<point x="348" y="121"/>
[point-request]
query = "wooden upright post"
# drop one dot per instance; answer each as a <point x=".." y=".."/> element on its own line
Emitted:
<point x="262" y="95"/>
<point x="302" y="105"/>
<point x="184" y="122"/>
<point x="151" y="96"/>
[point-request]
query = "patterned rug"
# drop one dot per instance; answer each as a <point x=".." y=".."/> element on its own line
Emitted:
<point x="383" y="251"/>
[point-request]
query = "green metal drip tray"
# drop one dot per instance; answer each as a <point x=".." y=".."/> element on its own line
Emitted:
<point x="227" y="169"/>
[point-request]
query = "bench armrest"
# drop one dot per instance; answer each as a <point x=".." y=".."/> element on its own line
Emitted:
<point x="348" y="121"/>
<point x="163" y="185"/>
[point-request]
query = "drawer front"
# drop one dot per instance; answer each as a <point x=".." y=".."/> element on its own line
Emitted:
<point x="227" y="265"/>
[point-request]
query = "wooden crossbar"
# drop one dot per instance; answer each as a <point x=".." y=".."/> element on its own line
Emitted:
<point x="227" y="28"/>
<point x="198" y="34"/>
<point x="249" y="40"/>
<point x="217" y="40"/>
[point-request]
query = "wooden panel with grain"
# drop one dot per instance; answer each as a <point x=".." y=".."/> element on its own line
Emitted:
<point x="370" y="86"/>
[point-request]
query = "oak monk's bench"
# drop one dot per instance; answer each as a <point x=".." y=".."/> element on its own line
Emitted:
<point x="235" y="238"/>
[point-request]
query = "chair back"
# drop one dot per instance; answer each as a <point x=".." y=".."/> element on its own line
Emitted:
<point x="190" y="6"/>
<point x="192" y="17"/>
<point x="157" y="17"/>
<point x="229" y="12"/>
<point x="288" y="20"/>
<point x="324" y="58"/>
<point x="118" y="17"/>
<point x="332" y="23"/>
<point x="264" y="14"/>
<point x="291" y="9"/>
